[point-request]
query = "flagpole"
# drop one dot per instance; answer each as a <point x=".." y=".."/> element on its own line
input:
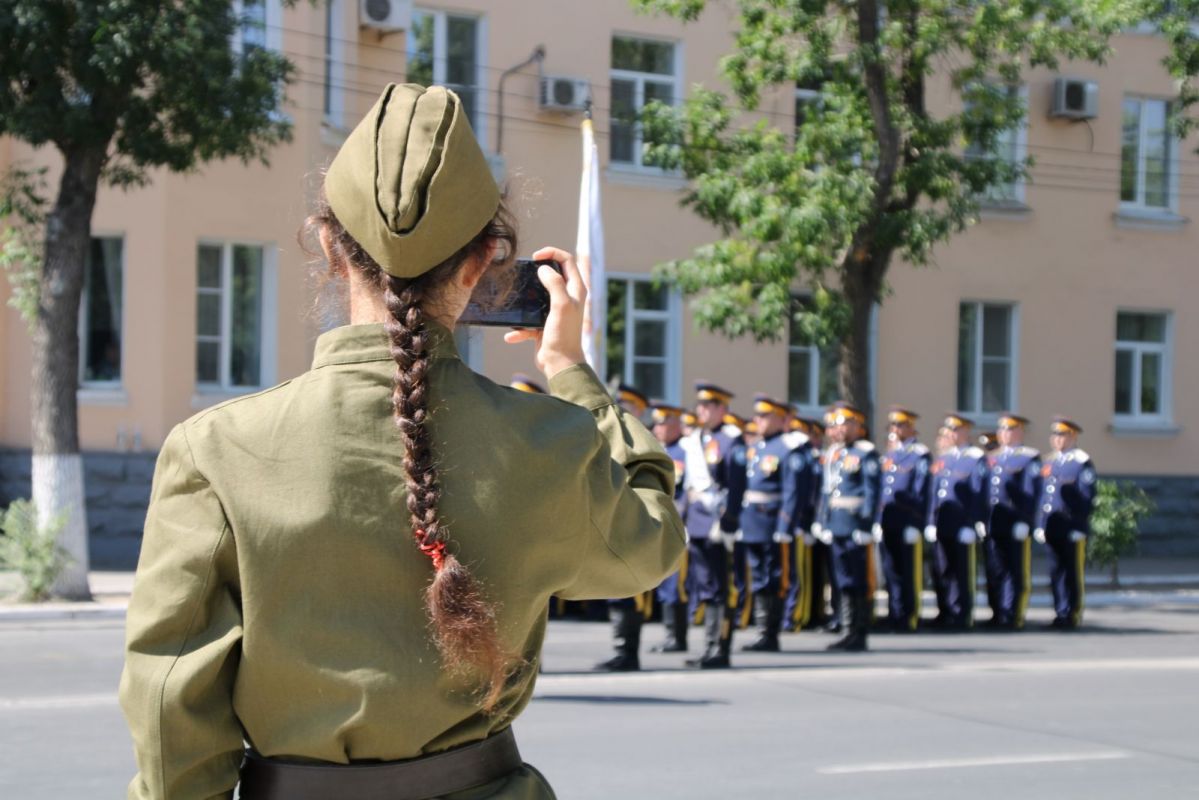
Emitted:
<point x="589" y="249"/>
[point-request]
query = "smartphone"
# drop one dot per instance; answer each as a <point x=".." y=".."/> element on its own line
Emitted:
<point x="526" y="306"/>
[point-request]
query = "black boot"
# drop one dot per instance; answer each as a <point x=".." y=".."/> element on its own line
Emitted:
<point x="860" y="627"/>
<point x="845" y="615"/>
<point x="770" y="617"/>
<point x="626" y="635"/>
<point x="718" y="638"/>
<point x="674" y="617"/>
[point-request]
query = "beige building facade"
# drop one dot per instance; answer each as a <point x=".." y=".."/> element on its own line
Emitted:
<point x="1072" y="294"/>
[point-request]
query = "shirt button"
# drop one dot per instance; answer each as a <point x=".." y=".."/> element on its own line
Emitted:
<point x="1049" y="489"/>
<point x="942" y="493"/>
<point x="1047" y="508"/>
<point x="994" y="501"/>
<point x="996" y="480"/>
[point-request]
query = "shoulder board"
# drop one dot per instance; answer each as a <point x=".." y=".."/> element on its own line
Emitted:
<point x="731" y="431"/>
<point x="1078" y="454"/>
<point x="1031" y="452"/>
<point x="920" y="449"/>
<point x="974" y="452"/>
<point x="864" y="445"/>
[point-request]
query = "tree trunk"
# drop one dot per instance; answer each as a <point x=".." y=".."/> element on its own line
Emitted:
<point x="57" y="465"/>
<point x="862" y="281"/>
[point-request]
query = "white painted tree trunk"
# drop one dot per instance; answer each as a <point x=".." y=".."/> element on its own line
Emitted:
<point x="58" y="488"/>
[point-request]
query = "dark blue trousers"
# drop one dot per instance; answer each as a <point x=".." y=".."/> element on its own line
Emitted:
<point x="1066" y="562"/>
<point x="1007" y="565"/>
<point x="956" y="569"/>
<point x="903" y="574"/>
<point x="708" y="567"/>
<point x="765" y="566"/>
<point x="850" y="566"/>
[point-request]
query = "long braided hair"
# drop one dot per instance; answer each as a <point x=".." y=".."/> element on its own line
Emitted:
<point x="462" y="620"/>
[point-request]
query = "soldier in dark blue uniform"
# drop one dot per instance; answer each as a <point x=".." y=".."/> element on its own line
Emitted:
<point x="715" y="483"/>
<point x="903" y="505"/>
<point x="777" y="477"/>
<point x="824" y="614"/>
<point x="955" y="509"/>
<point x="1063" y="520"/>
<point x="1013" y="487"/>
<point x="628" y="614"/>
<point x="798" y="573"/>
<point x="672" y="594"/>
<point x="847" y="508"/>
<point x="735" y="425"/>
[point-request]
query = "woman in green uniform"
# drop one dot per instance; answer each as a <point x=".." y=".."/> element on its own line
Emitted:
<point x="343" y="581"/>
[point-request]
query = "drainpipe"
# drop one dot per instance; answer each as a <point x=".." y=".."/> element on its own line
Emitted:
<point x="538" y="55"/>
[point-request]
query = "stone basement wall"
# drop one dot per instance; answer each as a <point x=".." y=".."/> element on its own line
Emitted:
<point x="117" y="487"/>
<point x="118" y="491"/>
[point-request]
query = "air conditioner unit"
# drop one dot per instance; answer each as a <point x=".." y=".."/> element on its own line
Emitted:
<point x="1075" y="98"/>
<point x="564" y="94"/>
<point x="385" y="15"/>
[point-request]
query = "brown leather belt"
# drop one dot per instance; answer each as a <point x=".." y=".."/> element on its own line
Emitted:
<point x="414" y="779"/>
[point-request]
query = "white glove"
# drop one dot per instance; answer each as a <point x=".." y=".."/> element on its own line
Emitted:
<point x="1077" y="536"/>
<point x="824" y="535"/>
<point x="715" y="534"/>
<point x="730" y="540"/>
<point x="808" y="538"/>
<point x="966" y="536"/>
<point x="981" y="529"/>
<point x="877" y="532"/>
<point x="782" y="537"/>
<point x="862" y="537"/>
<point x="930" y="533"/>
<point x="1039" y="535"/>
<point x="911" y="535"/>
<point x="1020" y="531"/>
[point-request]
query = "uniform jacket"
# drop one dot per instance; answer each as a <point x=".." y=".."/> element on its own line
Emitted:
<point x="679" y="457"/>
<point x="849" y="499"/>
<point x="778" y="471"/>
<point x="903" y="498"/>
<point x="715" y="481"/>
<point x="1013" y="485"/>
<point x="1068" y="490"/>
<point x="279" y="592"/>
<point x="957" y="497"/>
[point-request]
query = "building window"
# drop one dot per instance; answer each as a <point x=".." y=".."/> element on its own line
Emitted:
<point x="806" y="98"/>
<point x="100" y="313"/>
<point x="811" y="370"/>
<point x="986" y="357"/>
<point x="1009" y="146"/>
<point x="1147" y="155"/>
<point x="446" y="49"/>
<point x="333" y="104"/>
<point x="643" y="70"/>
<point x="234" y="317"/>
<point x="1142" y="358"/>
<point x="642" y="337"/>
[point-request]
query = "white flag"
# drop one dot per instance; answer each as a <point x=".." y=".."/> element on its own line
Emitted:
<point x="589" y="248"/>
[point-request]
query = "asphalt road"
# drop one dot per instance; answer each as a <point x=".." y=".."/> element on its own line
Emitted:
<point x="1109" y="712"/>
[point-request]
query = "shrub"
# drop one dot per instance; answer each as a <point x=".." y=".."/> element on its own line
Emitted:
<point x="31" y="550"/>
<point x="1115" y="522"/>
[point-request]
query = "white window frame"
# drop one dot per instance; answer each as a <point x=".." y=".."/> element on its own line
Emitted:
<point x="103" y="391"/>
<point x="638" y="79"/>
<point x="270" y="313"/>
<point x="812" y="409"/>
<point x="1019" y="154"/>
<point x="333" y="112"/>
<point x="273" y="20"/>
<point x="672" y="316"/>
<point x="1137" y="206"/>
<point x="1166" y="352"/>
<point x="440" y="45"/>
<point x="1013" y="359"/>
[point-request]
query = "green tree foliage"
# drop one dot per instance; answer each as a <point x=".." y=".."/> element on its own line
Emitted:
<point x="867" y="171"/>
<point x="1115" y="522"/>
<point x="1178" y="21"/>
<point x="31" y="550"/>
<point x="23" y="206"/>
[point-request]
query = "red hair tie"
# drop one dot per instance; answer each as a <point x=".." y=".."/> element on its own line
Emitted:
<point x="434" y="550"/>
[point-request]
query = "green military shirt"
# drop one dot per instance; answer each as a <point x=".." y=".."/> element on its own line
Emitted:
<point x="279" y="594"/>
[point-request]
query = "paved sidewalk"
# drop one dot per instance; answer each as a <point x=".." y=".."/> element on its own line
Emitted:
<point x="1142" y="580"/>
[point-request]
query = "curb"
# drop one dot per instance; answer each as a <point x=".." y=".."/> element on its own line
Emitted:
<point x="62" y="611"/>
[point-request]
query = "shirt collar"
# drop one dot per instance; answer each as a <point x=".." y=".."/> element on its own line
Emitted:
<point x="357" y="344"/>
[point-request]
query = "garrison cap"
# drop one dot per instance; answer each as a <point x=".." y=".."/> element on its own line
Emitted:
<point x="956" y="421"/>
<point x="1009" y="420"/>
<point x="627" y="394"/>
<point x="765" y="404"/>
<point x="842" y="412"/>
<point x="734" y="420"/>
<point x="799" y="424"/>
<point x="524" y="383"/>
<point x="411" y="184"/>
<point x="690" y="419"/>
<point x="1064" y="425"/>
<point x="706" y="391"/>
<point x="988" y="441"/>
<point x="898" y="415"/>
<point x="664" y="411"/>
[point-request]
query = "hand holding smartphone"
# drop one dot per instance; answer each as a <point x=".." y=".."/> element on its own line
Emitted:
<point x="526" y="306"/>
